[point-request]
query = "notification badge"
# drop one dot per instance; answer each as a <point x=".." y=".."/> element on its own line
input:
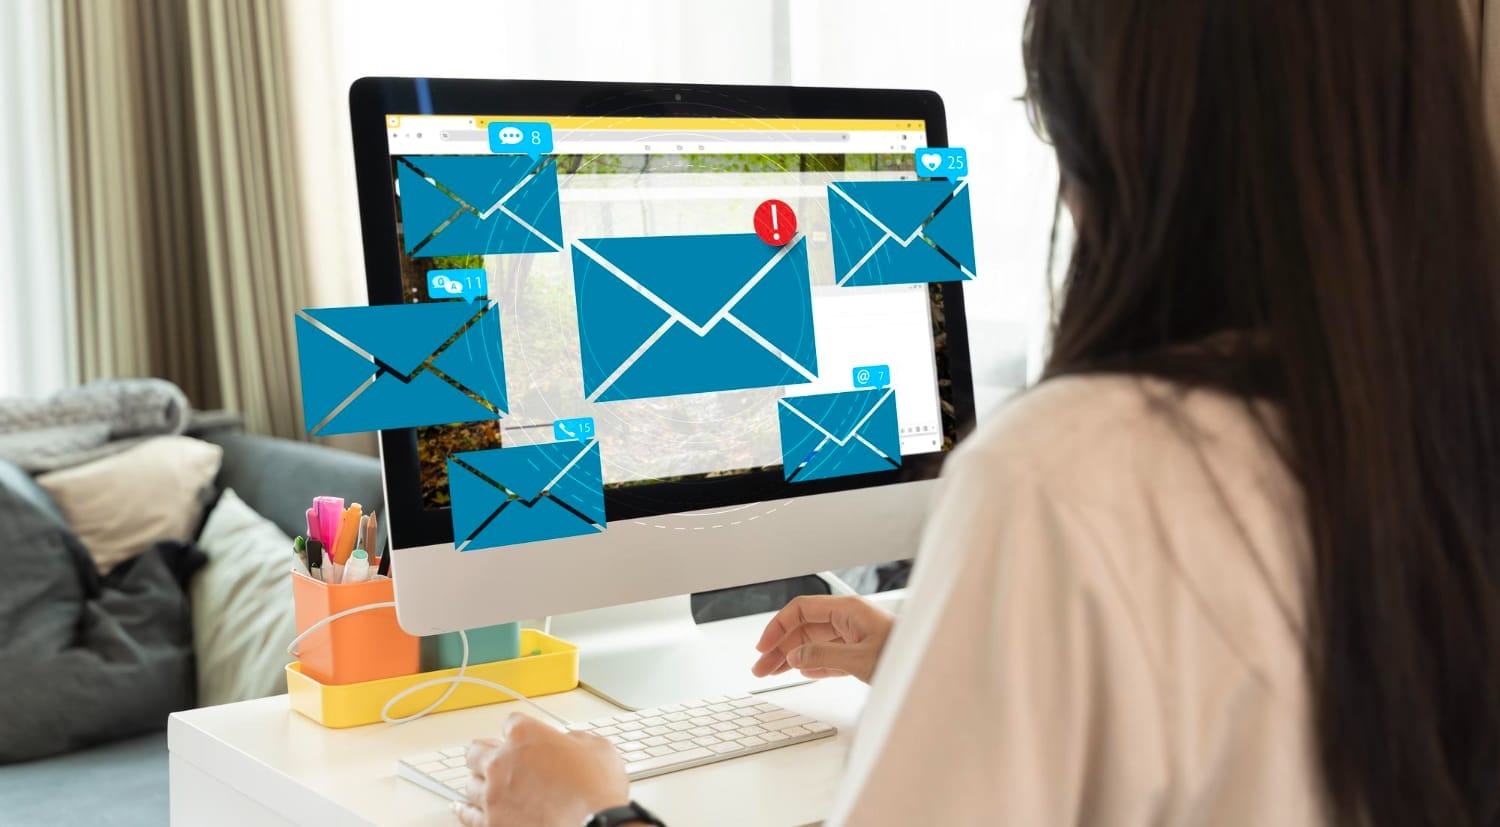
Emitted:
<point x="775" y="223"/>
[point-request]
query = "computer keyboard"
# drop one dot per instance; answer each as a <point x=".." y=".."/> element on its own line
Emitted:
<point x="653" y="741"/>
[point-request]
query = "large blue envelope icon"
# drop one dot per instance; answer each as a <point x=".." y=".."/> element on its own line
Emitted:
<point x="900" y="232"/>
<point x="507" y="496"/>
<point x="399" y="366"/>
<point x="672" y="315"/>
<point x="839" y="434"/>
<point x="461" y="205"/>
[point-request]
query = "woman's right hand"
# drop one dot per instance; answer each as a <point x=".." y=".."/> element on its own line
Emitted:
<point x="823" y="637"/>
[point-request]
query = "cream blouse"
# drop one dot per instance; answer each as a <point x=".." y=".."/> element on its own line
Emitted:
<point x="1105" y="626"/>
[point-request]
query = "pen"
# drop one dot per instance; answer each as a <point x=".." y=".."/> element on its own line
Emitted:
<point x="312" y="524"/>
<point x="348" y="528"/>
<point x="329" y="510"/>
<point x="370" y="537"/>
<point x="358" y="569"/>
<point x="333" y="573"/>
<point x="315" y="559"/>
<point x="360" y="535"/>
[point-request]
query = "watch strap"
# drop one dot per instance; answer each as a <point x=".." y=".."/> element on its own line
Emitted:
<point x="631" y="813"/>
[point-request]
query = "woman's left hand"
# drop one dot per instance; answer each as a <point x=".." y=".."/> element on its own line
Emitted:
<point x="535" y="775"/>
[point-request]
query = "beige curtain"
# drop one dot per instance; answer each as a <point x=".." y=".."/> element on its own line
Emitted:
<point x="188" y="256"/>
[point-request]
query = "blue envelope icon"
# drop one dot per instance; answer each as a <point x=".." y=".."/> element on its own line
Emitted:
<point x="900" y="232"/>
<point x="839" y="434"/>
<point x="399" y="366"/>
<point x="672" y="315"/>
<point x="462" y="205"/>
<point x="506" y="496"/>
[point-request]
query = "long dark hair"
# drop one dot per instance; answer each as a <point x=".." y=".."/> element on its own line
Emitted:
<point x="1307" y="184"/>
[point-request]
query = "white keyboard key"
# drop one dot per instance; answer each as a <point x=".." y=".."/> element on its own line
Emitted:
<point x="706" y="741"/>
<point x="794" y="731"/>
<point x="632" y="746"/>
<point x="772" y="737"/>
<point x="701" y="730"/>
<point x="784" y="723"/>
<point x="680" y="726"/>
<point x="767" y="717"/>
<point x="455" y="762"/>
<point x="726" y="747"/>
<point x="719" y="707"/>
<point x="631" y="726"/>
<point x="431" y="767"/>
<point x="817" y="726"/>
<point x="629" y="716"/>
<point x="654" y="720"/>
<point x="657" y="730"/>
<point x="683" y="746"/>
<point x="752" y="730"/>
<point x="724" y="727"/>
<point x="725" y="716"/>
<point x="701" y="720"/>
<point x="635" y="756"/>
<point x="609" y="730"/>
<point x="655" y="741"/>
<point x="450" y="774"/>
<point x="678" y="737"/>
<point x="425" y="758"/>
<point x="675" y="716"/>
<point x="633" y="767"/>
<point x="752" y="741"/>
<point x="660" y="751"/>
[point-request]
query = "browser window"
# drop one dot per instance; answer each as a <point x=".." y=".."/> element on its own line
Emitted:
<point x="657" y="181"/>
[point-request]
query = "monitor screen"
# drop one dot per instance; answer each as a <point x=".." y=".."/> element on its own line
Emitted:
<point x="648" y="178"/>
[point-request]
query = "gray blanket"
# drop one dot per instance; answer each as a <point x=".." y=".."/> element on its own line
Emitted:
<point x="80" y="424"/>
<point x="84" y="658"/>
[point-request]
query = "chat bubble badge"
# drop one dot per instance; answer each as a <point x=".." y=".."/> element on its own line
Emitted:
<point x="942" y="162"/>
<point x="872" y="376"/>
<point x="580" y="429"/>
<point x="532" y="138"/>
<point x="467" y="283"/>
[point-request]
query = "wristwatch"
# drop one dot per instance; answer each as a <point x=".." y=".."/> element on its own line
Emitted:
<point x="631" y="813"/>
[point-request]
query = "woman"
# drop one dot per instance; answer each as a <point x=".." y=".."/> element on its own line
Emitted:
<point x="1237" y="559"/>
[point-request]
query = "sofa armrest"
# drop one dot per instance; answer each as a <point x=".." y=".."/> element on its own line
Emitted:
<point x="279" y="477"/>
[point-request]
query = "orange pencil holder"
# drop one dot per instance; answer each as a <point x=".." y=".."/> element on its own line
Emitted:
<point x="363" y="646"/>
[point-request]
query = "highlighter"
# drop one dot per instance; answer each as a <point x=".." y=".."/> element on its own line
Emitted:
<point x="348" y="528"/>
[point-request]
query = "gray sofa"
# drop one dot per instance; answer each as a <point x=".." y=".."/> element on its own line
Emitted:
<point x="125" y="782"/>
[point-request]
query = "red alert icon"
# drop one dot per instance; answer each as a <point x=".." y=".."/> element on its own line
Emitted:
<point x="775" y="223"/>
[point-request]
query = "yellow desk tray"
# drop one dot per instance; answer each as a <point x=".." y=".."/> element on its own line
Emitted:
<point x="553" y="669"/>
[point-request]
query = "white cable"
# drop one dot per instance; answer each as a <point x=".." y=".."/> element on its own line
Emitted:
<point x="453" y="681"/>
<point x="836" y="584"/>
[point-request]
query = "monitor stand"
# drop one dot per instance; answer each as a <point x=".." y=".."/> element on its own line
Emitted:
<point x="649" y="654"/>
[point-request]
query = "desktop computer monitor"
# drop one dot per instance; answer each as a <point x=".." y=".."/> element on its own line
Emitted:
<point x="695" y="490"/>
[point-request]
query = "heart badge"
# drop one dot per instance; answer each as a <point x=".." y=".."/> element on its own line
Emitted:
<point x="931" y="161"/>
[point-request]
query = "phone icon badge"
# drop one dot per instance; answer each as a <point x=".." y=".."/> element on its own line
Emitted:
<point x="578" y="429"/>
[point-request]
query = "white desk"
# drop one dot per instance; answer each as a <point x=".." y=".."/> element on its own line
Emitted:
<point x="258" y="763"/>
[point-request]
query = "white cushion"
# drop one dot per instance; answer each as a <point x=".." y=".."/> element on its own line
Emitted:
<point x="243" y="617"/>
<point x="121" y="505"/>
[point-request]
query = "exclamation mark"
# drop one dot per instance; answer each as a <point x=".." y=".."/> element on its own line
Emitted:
<point x="775" y="225"/>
